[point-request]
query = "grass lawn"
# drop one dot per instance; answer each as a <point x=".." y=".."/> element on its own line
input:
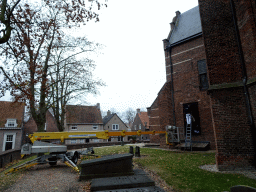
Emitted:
<point x="181" y="169"/>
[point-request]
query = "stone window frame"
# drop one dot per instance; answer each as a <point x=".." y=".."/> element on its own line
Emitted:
<point x="5" y="140"/>
<point x="115" y="127"/>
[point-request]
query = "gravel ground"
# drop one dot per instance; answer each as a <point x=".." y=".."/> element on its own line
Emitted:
<point x="213" y="168"/>
<point x="60" y="178"/>
<point x="46" y="178"/>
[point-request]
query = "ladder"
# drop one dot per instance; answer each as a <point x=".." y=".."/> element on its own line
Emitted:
<point x="188" y="138"/>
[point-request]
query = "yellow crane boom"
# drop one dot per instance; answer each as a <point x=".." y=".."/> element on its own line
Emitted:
<point x="87" y="134"/>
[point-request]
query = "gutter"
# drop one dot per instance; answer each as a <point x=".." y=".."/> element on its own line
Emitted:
<point x="169" y="48"/>
<point x="244" y="80"/>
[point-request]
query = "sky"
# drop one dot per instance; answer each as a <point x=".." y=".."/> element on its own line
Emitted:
<point x="132" y="63"/>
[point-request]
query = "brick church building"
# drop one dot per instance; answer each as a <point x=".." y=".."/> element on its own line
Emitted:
<point x="185" y="90"/>
<point x="229" y="32"/>
<point x="211" y="71"/>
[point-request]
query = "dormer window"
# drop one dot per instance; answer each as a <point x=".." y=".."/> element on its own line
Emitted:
<point x="11" y="123"/>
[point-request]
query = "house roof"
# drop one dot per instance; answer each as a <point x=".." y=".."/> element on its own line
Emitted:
<point x="144" y="118"/>
<point x="187" y="25"/>
<point x="78" y="114"/>
<point x="11" y="110"/>
<point x="107" y="118"/>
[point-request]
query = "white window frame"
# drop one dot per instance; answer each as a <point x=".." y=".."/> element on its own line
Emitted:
<point x="45" y="126"/>
<point x="139" y="126"/>
<point x="9" y="122"/>
<point x="13" y="140"/>
<point x="74" y="127"/>
<point x="115" y="127"/>
<point x="134" y="127"/>
<point x="95" y="127"/>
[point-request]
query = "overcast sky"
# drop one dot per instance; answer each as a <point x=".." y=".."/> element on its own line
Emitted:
<point x="132" y="63"/>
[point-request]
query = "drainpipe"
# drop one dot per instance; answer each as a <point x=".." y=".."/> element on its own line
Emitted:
<point x="169" y="48"/>
<point x="246" y="92"/>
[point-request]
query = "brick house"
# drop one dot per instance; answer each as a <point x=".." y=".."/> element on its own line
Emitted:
<point x="11" y="125"/>
<point x="185" y="90"/>
<point x="229" y="30"/>
<point x="112" y="122"/>
<point x="30" y="126"/>
<point x="141" y="122"/>
<point x="83" y="118"/>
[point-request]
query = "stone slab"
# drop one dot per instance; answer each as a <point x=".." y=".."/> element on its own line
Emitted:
<point x="242" y="188"/>
<point x="123" y="182"/>
<point x="108" y="166"/>
<point x="143" y="189"/>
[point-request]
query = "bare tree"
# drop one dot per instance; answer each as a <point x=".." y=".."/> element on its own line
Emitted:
<point x="129" y="115"/>
<point x="75" y="11"/>
<point x="71" y="76"/>
<point x="27" y="56"/>
<point x="6" y="14"/>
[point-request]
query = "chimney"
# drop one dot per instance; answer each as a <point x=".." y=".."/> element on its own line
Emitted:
<point x="174" y="19"/>
<point x="108" y="113"/>
<point x="138" y="111"/>
<point x="98" y="106"/>
<point x="177" y="13"/>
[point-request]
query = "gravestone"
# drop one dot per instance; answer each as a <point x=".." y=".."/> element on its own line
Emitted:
<point x="131" y="150"/>
<point x="108" y="166"/>
<point x="137" y="151"/>
<point x="123" y="182"/>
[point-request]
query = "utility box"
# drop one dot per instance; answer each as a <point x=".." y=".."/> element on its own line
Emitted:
<point x="108" y="166"/>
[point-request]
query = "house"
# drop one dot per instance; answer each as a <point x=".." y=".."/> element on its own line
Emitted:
<point x="141" y="122"/>
<point x="83" y="118"/>
<point x="30" y="126"/>
<point x="11" y="125"/>
<point x="229" y="30"/>
<point x="112" y="122"/>
<point x="185" y="90"/>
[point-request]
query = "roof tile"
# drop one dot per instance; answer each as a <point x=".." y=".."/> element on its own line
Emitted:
<point x="78" y="114"/>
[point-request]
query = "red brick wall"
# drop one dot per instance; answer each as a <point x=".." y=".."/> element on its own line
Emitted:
<point x="234" y="141"/>
<point x="186" y="90"/>
<point x="219" y="36"/>
<point x="154" y="123"/>
<point x="233" y="134"/>
<point x="186" y="86"/>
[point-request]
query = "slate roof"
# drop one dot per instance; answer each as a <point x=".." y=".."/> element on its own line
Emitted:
<point x="188" y="25"/>
<point x="78" y="114"/>
<point x="11" y="110"/>
<point x="107" y="118"/>
<point x="144" y="118"/>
